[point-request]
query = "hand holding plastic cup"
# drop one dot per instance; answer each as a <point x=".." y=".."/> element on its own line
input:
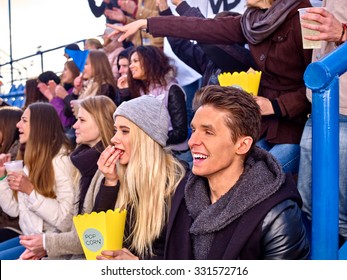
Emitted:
<point x="308" y="44"/>
<point x="14" y="166"/>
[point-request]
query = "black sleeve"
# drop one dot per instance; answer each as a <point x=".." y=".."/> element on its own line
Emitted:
<point x="284" y="234"/>
<point x="106" y="197"/>
<point x="109" y="91"/>
<point x="190" y="53"/>
<point x="97" y="11"/>
<point x="122" y="95"/>
<point x="67" y="107"/>
<point x="178" y="115"/>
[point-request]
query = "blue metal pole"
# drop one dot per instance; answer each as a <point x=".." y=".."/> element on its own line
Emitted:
<point x="322" y="78"/>
<point x="325" y="172"/>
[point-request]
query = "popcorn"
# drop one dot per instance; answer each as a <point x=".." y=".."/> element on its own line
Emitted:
<point x="249" y="81"/>
<point x="100" y="231"/>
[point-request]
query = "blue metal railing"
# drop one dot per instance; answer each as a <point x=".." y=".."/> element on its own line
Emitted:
<point x="323" y="78"/>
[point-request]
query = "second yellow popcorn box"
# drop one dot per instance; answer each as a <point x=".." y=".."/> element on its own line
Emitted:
<point x="249" y="81"/>
<point x="100" y="231"/>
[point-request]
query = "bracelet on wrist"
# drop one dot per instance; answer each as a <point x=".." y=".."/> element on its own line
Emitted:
<point x="3" y="177"/>
<point x="344" y="27"/>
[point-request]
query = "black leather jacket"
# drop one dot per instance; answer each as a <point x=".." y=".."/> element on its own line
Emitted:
<point x="279" y="229"/>
<point x="178" y="115"/>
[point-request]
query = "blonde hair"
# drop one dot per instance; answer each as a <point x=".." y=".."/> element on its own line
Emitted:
<point x="101" y="108"/>
<point x="147" y="184"/>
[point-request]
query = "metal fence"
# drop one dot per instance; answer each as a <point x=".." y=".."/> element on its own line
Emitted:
<point x="322" y="77"/>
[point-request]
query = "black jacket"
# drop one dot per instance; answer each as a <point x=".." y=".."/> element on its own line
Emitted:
<point x="261" y="219"/>
<point x="209" y="60"/>
<point x="178" y="114"/>
<point x="98" y="11"/>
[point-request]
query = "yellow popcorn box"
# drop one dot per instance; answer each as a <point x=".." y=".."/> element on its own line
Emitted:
<point x="249" y="81"/>
<point x="100" y="231"/>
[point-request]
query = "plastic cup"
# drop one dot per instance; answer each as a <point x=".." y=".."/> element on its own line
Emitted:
<point x="308" y="44"/>
<point x="14" y="166"/>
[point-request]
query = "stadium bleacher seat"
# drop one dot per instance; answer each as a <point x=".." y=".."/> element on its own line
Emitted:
<point x="15" y="96"/>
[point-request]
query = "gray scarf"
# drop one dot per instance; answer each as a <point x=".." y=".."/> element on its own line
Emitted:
<point x="261" y="178"/>
<point x="257" y="24"/>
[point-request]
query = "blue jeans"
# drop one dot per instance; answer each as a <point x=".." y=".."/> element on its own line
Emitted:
<point x="305" y="172"/>
<point x="11" y="249"/>
<point x="288" y="155"/>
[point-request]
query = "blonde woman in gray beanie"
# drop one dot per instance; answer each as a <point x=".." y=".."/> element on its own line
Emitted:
<point x="140" y="176"/>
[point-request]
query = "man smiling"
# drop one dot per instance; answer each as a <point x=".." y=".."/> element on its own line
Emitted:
<point x="238" y="203"/>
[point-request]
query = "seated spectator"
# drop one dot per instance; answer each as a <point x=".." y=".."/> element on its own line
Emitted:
<point x="150" y="73"/>
<point x="94" y="130"/>
<point x="123" y="61"/>
<point x="237" y="204"/>
<point x="42" y="195"/>
<point x="98" y="77"/>
<point x="9" y="135"/>
<point x="32" y="93"/>
<point x="140" y="176"/>
<point x="9" y="145"/>
<point x="64" y="92"/>
<point x="47" y="84"/>
<point x="92" y="44"/>
<point x="73" y="47"/>
<point x="122" y="81"/>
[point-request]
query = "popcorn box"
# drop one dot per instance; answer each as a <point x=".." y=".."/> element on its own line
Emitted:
<point x="249" y="81"/>
<point x="100" y="231"/>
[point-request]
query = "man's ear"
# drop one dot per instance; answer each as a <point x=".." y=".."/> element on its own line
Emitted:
<point x="244" y="144"/>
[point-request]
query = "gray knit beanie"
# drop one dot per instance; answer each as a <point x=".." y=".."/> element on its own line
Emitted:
<point x="148" y="113"/>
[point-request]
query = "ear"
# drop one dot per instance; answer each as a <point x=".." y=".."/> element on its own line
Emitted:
<point x="244" y="144"/>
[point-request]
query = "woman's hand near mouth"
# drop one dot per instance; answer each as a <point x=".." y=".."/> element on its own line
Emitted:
<point x="107" y="164"/>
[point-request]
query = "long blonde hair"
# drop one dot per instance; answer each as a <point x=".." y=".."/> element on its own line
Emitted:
<point x="147" y="184"/>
